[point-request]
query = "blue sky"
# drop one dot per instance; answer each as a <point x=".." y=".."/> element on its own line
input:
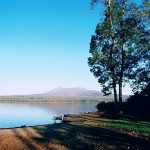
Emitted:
<point x="45" y="44"/>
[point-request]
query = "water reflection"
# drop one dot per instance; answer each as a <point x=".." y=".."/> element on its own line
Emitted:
<point x="19" y="114"/>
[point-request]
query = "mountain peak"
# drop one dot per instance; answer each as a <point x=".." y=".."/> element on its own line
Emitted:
<point x="58" y="88"/>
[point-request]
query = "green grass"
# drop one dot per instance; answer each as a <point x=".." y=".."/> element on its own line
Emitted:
<point x="129" y="126"/>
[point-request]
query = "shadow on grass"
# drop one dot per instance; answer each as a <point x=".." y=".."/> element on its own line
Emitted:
<point x="79" y="137"/>
<point x="24" y="140"/>
<point x="127" y="117"/>
<point x="27" y="144"/>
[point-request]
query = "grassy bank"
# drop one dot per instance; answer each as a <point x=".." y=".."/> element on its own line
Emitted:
<point x="128" y="125"/>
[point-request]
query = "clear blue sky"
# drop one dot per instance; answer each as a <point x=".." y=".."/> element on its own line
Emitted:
<point x="45" y="44"/>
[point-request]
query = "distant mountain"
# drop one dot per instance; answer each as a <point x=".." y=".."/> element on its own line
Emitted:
<point x="73" y="92"/>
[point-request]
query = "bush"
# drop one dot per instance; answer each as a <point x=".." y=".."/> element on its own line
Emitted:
<point x="108" y="107"/>
<point x="137" y="105"/>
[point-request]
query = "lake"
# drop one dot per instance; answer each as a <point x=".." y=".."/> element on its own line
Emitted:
<point x="31" y="114"/>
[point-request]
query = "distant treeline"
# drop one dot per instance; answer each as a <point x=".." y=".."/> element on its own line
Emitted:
<point x="35" y="99"/>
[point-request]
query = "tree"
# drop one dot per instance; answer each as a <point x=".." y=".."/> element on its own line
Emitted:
<point x="119" y="47"/>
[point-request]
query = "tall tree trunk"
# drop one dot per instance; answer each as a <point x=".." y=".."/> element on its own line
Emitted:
<point x="120" y="94"/>
<point x="115" y="91"/>
<point x="122" y="62"/>
<point x="121" y="75"/>
<point x="111" y="52"/>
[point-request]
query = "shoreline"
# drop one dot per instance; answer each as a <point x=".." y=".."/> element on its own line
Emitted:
<point x="80" y="131"/>
<point x="24" y="126"/>
<point x="27" y="126"/>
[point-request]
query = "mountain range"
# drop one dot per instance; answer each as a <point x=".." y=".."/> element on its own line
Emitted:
<point x="73" y="92"/>
<point x="76" y="92"/>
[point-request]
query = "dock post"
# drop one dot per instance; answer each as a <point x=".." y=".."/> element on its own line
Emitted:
<point x="62" y="118"/>
<point x="54" y="118"/>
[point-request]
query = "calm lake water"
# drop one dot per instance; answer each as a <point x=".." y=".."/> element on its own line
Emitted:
<point x="19" y="114"/>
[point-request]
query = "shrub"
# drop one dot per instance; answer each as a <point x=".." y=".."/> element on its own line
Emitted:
<point x="108" y="107"/>
<point x="138" y="105"/>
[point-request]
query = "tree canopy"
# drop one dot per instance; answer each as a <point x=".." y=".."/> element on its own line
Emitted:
<point x="120" y="47"/>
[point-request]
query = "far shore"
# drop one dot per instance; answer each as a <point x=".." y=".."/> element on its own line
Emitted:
<point x="78" y="132"/>
<point x="51" y="99"/>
